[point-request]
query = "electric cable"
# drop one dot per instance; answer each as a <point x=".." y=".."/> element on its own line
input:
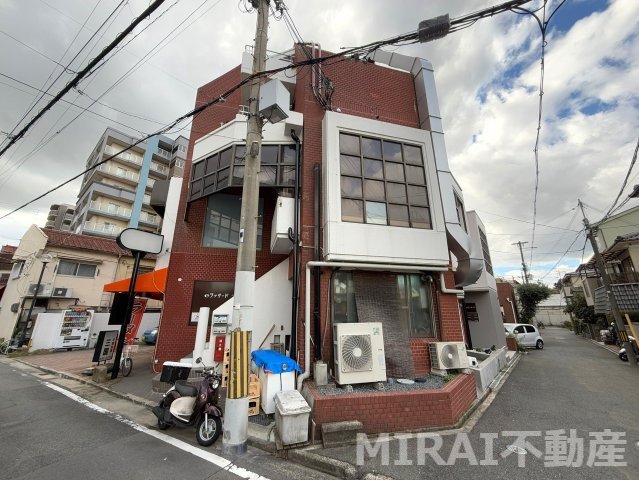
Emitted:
<point x="623" y="185"/>
<point x="562" y="256"/>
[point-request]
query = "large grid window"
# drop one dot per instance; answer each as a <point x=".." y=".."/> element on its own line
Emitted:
<point x="484" y="248"/>
<point x="414" y="296"/>
<point x="383" y="182"/>
<point x="222" y="223"/>
<point x="226" y="168"/>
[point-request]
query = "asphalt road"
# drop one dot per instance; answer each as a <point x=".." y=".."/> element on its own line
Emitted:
<point x="571" y="384"/>
<point x="47" y="434"/>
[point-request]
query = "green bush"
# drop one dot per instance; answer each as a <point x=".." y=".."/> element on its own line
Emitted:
<point x="568" y="324"/>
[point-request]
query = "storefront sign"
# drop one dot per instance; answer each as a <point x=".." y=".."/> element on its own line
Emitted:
<point x="136" y="319"/>
<point x="105" y="346"/>
<point x="209" y="294"/>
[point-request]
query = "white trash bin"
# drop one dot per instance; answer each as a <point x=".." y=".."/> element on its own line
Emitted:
<point x="291" y="417"/>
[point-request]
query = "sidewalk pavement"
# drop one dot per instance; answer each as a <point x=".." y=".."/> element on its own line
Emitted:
<point x="137" y="387"/>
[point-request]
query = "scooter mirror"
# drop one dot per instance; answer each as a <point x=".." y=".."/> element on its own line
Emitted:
<point x="198" y="360"/>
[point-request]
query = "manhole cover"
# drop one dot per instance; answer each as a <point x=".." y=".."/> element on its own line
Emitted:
<point x="516" y="449"/>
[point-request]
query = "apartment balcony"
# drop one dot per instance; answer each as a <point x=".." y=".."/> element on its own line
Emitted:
<point x="125" y="157"/>
<point x="107" y="209"/>
<point x="149" y="219"/>
<point x="118" y="173"/>
<point x="160" y="169"/>
<point x="625" y="277"/>
<point x="94" y="228"/>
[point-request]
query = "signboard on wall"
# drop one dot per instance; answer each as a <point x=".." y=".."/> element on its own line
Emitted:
<point x="209" y="294"/>
<point x="470" y="310"/>
<point x="105" y="346"/>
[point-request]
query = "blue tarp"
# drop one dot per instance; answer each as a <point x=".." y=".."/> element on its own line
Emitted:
<point x="274" y="362"/>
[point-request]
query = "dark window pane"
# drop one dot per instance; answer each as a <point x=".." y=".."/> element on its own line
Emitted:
<point x="225" y="157"/>
<point x="373" y="168"/>
<point x="85" y="270"/>
<point x="413" y="155"/>
<point x="398" y="215"/>
<point x="352" y="210"/>
<point x="268" y="175"/>
<point x="287" y="175"/>
<point x="344" y="308"/>
<point x="222" y="223"/>
<point x="374" y="190"/>
<point x="238" y="175"/>
<point x="211" y="164"/>
<point x="392" y="151"/>
<point x="198" y="170"/>
<point x="417" y="195"/>
<point x="67" y="268"/>
<point x="288" y="154"/>
<point x="394" y="172"/>
<point x="196" y="188"/>
<point x="209" y="184"/>
<point x="396" y="192"/>
<point x="415" y="175"/>
<point x="371" y="147"/>
<point x="351" y="187"/>
<point x="240" y="152"/>
<point x="420" y="307"/>
<point x="350" y="165"/>
<point x="349" y="144"/>
<point x="223" y="178"/>
<point x="376" y="213"/>
<point x="420" y="217"/>
<point x="269" y="154"/>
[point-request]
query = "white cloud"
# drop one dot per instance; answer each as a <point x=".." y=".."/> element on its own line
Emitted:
<point x="490" y="142"/>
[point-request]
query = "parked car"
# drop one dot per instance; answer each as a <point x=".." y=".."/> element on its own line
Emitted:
<point x="527" y="335"/>
<point x="150" y="336"/>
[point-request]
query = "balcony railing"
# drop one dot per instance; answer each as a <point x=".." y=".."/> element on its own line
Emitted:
<point x="119" y="172"/>
<point x="127" y="156"/>
<point x="156" y="167"/>
<point x="102" y="228"/>
<point x="111" y="209"/>
<point x="149" y="218"/>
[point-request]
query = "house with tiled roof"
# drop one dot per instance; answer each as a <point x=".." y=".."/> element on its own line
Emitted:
<point x="79" y="269"/>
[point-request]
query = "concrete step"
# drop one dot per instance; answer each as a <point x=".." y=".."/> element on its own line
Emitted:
<point x="336" y="434"/>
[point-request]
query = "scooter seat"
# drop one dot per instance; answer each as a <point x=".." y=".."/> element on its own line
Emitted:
<point x="185" y="389"/>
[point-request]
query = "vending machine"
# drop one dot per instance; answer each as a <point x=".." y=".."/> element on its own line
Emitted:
<point x="74" y="328"/>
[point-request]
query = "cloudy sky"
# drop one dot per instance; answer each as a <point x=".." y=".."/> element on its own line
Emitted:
<point x="487" y="79"/>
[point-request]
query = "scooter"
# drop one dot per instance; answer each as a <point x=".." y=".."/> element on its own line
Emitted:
<point x="623" y="355"/>
<point x="186" y="405"/>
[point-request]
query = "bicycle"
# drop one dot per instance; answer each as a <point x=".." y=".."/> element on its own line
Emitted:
<point x="126" y="362"/>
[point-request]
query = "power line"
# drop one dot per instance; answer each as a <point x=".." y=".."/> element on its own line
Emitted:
<point x="623" y="185"/>
<point x="154" y="6"/>
<point x="562" y="256"/>
<point x="526" y="221"/>
<point x="368" y="48"/>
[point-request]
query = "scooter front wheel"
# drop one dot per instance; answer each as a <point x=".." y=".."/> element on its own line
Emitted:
<point x="623" y="356"/>
<point x="207" y="432"/>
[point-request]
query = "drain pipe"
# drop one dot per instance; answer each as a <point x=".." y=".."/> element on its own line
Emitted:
<point x="316" y="256"/>
<point x="307" y="298"/>
<point x="294" y="237"/>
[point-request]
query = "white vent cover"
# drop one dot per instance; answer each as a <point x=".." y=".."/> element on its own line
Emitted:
<point x="359" y="353"/>
<point x="447" y="355"/>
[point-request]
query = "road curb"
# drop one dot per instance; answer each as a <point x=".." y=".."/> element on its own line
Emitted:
<point x="332" y="466"/>
<point x="126" y="396"/>
<point x="605" y="347"/>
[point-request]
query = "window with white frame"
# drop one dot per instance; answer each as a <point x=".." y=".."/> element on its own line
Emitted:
<point x="383" y="182"/>
<point x="76" y="269"/>
<point x="17" y="269"/>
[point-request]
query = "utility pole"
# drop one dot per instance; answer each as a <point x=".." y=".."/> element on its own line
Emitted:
<point x="523" y="262"/>
<point x="235" y="427"/>
<point x="621" y="327"/>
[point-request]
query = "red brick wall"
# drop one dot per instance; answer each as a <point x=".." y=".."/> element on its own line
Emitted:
<point x="362" y="89"/>
<point x="505" y="290"/>
<point x="397" y="411"/>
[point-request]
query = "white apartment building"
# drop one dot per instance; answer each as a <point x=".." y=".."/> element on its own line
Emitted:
<point x="106" y="199"/>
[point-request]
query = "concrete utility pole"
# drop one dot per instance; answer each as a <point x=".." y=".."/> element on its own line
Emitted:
<point x="523" y="262"/>
<point x="621" y="327"/>
<point x="236" y="415"/>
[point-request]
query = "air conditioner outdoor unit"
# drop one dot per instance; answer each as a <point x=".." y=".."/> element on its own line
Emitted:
<point x="359" y="353"/>
<point x="43" y="291"/>
<point x="63" y="292"/>
<point x="447" y="355"/>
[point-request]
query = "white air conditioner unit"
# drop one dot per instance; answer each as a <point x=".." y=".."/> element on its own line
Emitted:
<point x="62" y="292"/>
<point x="43" y="291"/>
<point x="447" y="355"/>
<point x="359" y="353"/>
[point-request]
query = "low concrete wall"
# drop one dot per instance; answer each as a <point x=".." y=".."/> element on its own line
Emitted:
<point x="488" y="368"/>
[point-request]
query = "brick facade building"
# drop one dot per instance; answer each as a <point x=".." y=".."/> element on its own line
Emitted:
<point x="386" y="202"/>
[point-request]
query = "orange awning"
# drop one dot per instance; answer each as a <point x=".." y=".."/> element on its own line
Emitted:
<point x="151" y="284"/>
